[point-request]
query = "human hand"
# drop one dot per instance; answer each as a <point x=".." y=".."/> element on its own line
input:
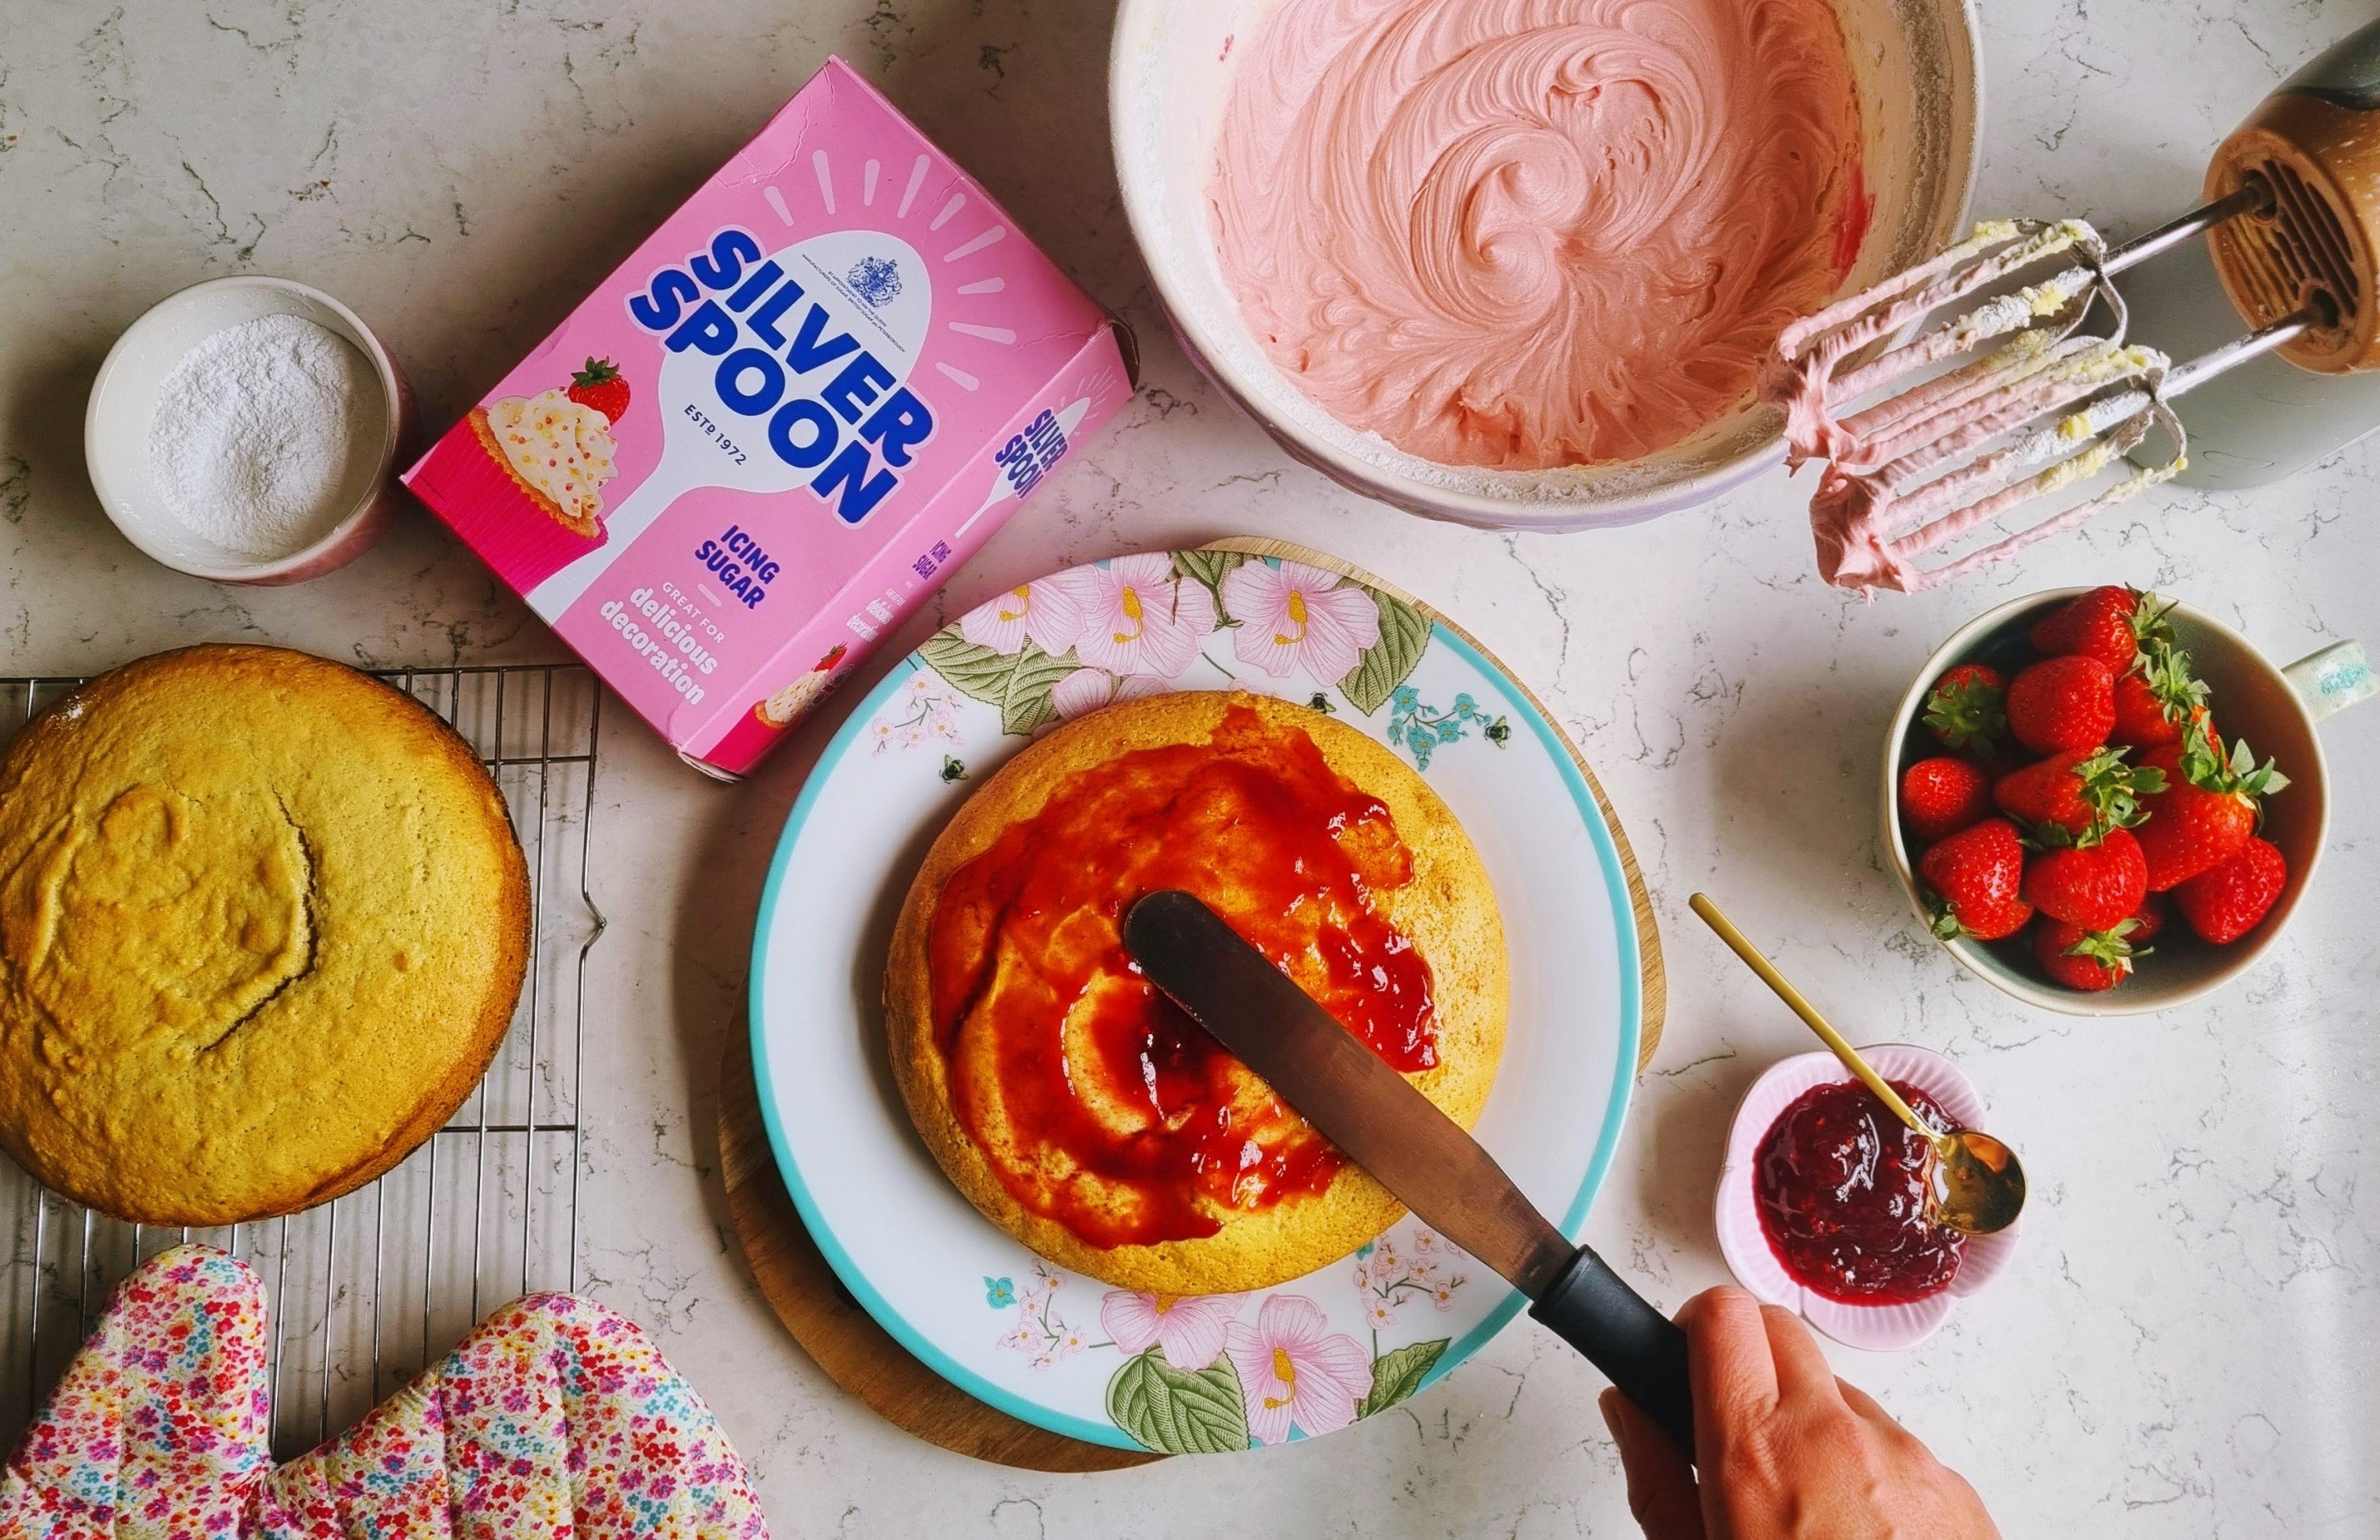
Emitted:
<point x="1787" y="1451"/>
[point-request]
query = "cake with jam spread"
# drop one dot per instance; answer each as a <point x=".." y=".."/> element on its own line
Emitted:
<point x="263" y="924"/>
<point x="1082" y="1111"/>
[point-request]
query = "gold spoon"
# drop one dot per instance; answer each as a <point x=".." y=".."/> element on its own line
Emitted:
<point x="1978" y="1186"/>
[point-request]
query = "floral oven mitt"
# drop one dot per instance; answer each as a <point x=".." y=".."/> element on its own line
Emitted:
<point x="556" y="1417"/>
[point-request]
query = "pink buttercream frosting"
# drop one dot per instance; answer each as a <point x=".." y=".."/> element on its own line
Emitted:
<point x="1524" y="234"/>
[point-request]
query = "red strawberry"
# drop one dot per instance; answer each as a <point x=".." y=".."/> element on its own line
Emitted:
<point x="1976" y="876"/>
<point x="2084" y="959"/>
<point x="2227" y="903"/>
<point x="2207" y="809"/>
<point x="598" y="385"/>
<point x="1941" y="795"/>
<point x="2157" y="699"/>
<point x="2109" y="624"/>
<point x="2140" y="716"/>
<point x="2077" y="791"/>
<point x="2062" y="703"/>
<point x="1967" y="709"/>
<point x="2148" y="921"/>
<point x="2096" y="886"/>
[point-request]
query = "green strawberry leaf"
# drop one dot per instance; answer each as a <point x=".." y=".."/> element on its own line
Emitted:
<point x="2112" y="790"/>
<point x="2108" y="947"/>
<point x="1388" y="662"/>
<point x="2252" y="780"/>
<point x="2053" y="836"/>
<point x="2204" y="767"/>
<point x="1968" y="714"/>
<point x="1396" y="1374"/>
<point x="2152" y="621"/>
<point x="2202" y="762"/>
<point x="2109" y="950"/>
<point x="1179" y="1410"/>
<point x="2164" y="668"/>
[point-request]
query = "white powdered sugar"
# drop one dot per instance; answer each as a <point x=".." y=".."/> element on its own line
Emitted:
<point x="254" y="429"/>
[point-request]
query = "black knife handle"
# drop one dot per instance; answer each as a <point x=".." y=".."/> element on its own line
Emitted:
<point x="1640" y="1350"/>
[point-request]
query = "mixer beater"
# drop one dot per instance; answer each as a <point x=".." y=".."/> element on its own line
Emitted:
<point x="2292" y="218"/>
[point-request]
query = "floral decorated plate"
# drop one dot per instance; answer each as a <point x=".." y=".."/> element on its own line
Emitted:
<point x="1064" y="1352"/>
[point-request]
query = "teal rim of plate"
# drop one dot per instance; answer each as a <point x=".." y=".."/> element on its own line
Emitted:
<point x="1000" y="1399"/>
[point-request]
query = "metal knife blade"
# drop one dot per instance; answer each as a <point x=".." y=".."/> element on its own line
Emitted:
<point x="1340" y="1086"/>
<point x="1373" y="1114"/>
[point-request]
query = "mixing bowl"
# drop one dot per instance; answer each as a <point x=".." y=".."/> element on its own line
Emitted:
<point x="1919" y="79"/>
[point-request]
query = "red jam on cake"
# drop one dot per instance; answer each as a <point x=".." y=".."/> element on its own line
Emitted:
<point x="1841" y="1184"/>
<point x="1086" y="1059"/>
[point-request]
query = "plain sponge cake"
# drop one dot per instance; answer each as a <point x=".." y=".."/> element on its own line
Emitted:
<point x="262" y="925"/>
<point x="1086" y="1115"/>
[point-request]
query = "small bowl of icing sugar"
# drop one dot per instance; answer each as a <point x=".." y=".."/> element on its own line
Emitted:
<point x="244" y="430"/>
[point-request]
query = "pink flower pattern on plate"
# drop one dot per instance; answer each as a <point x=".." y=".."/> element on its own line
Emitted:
<point x="1048" y="611"/>
<point x="1142" y="618"/>
<point x="1086" y="690"/>
<point x="932" y="710"/>
<point x="1292" y="1372"/>
<point x="1389" y="1279"/>
<point x="1294" y="615"/>
<point x="1041" y="1333"/>
<point x="1188" y="1328"/>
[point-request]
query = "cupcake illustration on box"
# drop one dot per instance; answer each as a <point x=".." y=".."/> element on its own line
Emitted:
<point x="541" y="463"/>
<point x="777" y="713"/>
<point x="789" y="704"/>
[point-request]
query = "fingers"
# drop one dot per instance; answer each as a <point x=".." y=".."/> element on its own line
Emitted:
<point x="1729" y="1361"/>
<point x="1800" y="1366"/>
<point x="1661" y="1491"/>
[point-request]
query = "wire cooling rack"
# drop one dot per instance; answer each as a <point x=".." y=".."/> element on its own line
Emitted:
<point x="367" y="1290"/>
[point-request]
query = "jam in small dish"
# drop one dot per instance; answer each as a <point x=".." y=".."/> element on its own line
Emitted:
<point x="1844" y="1187"/>
<point x="1873" y="1322"/>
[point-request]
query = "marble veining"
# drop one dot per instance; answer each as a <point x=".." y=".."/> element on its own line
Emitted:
<point x="2184" y="1347"/>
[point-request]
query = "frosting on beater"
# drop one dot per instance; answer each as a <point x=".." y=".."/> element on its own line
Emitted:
<point x="1524" y="234"/>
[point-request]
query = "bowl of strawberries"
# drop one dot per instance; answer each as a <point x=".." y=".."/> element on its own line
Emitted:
<point x="2107" y="803"/>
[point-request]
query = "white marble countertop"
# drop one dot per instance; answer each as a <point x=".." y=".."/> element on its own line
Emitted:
<point x="2185" y="1345"/>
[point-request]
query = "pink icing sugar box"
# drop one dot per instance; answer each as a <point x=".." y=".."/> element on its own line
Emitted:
<point x="820" y="385"/>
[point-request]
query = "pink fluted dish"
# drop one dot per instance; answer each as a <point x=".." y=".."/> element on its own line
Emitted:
<point x="1876" y="1327"/>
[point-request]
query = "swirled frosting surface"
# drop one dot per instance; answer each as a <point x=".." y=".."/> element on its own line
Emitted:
<point x="1524" y="234"/>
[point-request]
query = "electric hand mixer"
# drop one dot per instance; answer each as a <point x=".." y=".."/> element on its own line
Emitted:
<point x="2292" y="219"/>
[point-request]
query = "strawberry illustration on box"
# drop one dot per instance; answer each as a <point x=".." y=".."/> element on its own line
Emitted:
<point x="808" y="397"/>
